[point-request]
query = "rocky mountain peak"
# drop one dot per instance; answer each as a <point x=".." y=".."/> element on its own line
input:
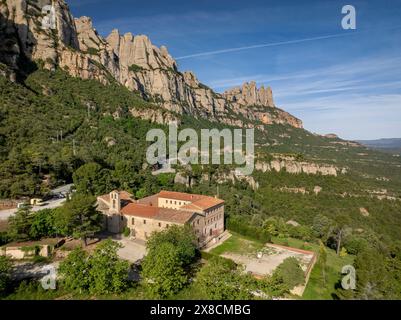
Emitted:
<point x="88" y="37"/>
<point x="139" y="51"/>
<point x="249" y="94"/>
<point x="132" y="60"/>
<point x="191" y="79"/>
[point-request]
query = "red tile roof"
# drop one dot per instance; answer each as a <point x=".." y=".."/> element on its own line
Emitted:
<point x="155" y="213"/>
<point x="148" y="207"/>
<point x="140" y="210"/>
<point x="124" y="195"/>
<point x="207" y="202"/>
<point x="150" y="201"/>
<point x="198" y="201"/>
<point x="179" y="196"/>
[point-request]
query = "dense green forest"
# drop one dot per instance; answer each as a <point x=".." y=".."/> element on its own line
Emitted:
<point x="58" y="129"/>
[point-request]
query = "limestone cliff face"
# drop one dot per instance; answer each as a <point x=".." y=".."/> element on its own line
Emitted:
<point x="154" y="72"/>
<point x="297" y="167"/>
<point x="257" y="104"/>
<point x="132" y="60"/>
<point x="22" y="37"/>
<point x="21" y="30"/>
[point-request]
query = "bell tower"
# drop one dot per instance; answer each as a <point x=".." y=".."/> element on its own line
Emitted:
<point x="115" y="202"/>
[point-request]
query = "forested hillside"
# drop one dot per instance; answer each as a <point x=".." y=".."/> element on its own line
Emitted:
<point x="76" y="107"/>
<point x="67" y="129"/>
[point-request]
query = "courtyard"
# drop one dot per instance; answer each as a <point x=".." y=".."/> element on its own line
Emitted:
<point x="131" y="250"/>
<point x="262" y="259"/>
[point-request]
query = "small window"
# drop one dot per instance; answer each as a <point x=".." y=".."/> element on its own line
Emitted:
<point x="160" y="225"/>
<point x="167" y="226"/>
<point x="166" y="201"/>
<point x="133" y="221"/>
<point x="198" y="221"/>
<point x="122" y="218"/>
<point x="144" y="221"/>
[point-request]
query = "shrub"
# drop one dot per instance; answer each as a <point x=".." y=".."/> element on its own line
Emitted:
<point x="92" y="51"/>
<point x="135" y="68"/>
<point x="291" y="273"/>
<point x="220" y="279"/>
<point x="127" y="232"/>
<point x="356" y="245"/>
<point x="101" y="272"/>
<point x="253" y="232"/>
<point x="182" y="238"/>
<point x="5" y="268"/>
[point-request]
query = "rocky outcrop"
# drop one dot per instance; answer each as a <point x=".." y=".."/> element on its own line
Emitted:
<point x="26" y="39"/>
<point x="232" y="177"/>
<point x="218" y="177"/>
<point x="249" y="95"/>
<point x="297" y="167"/>
<point x="22" y="34"/>
<point x="155" y="116"/>
<point x="257" y="104"/>
<point x="154" y="72"/>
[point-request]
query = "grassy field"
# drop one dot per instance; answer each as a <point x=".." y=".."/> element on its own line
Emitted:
<point x="317" y="288"/>
<point x="320" y="289"/>
<point x="296" y="243"/>
<point x="238" y="244"/>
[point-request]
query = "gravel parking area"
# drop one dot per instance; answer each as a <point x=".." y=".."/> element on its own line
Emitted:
<point x="272" y="257"/>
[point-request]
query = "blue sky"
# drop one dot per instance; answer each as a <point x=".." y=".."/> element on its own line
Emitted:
<point x="349" y="83"/>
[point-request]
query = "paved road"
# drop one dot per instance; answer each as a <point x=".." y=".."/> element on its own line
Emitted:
<point x="50" y="204"/>
<point x="63" y="189"/>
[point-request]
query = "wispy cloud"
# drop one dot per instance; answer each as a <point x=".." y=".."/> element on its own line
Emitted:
<point x="265" y="45"/>
<point x="362" y="94"/>
<point x="374" y="115"/>
<point x="325" y="78"/>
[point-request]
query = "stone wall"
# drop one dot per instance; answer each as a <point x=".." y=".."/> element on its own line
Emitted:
<point x="142" y="228"/>
<point x="20" y="253"/>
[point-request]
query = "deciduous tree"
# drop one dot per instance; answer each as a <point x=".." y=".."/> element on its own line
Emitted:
<point x="162" y="270"/>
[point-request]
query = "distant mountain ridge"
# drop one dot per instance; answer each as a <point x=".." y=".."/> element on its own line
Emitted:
<point x="390" y="144"/>
<point x="132" y="61"/>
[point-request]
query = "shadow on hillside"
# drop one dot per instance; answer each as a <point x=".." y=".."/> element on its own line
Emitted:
<point x="12" y="51"/>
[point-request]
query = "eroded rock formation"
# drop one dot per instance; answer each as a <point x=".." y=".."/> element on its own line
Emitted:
<point x="131" y="60"/>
